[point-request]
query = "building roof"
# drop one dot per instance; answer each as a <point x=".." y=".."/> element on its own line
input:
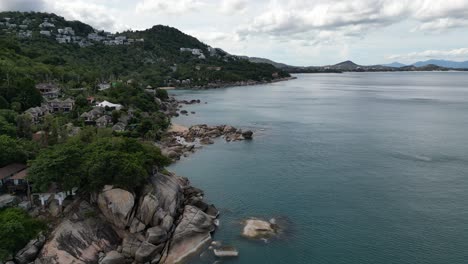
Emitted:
<point x="104" y="118"/>
<point x="110" y="105"/>
<point x="11" y="169"/>
<point x="20" y="175"/>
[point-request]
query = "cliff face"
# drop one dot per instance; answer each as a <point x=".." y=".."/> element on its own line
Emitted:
<point x="165" y="223"/>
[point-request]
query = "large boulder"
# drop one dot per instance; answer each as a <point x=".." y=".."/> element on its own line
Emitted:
<point x="167" y="190"/>
<point x="156" y="235"/>
<point x="31" y="250"/>
<point x="147" y="207"/>
<point x="136" y="226"/>
<point x="148" y="252"/>
<point x="117" y="206"/>
<point x="130" y="245"/>
<point x="191" y="234"/>
<point x="113" y="257"/>
<point x="79" y="240"/>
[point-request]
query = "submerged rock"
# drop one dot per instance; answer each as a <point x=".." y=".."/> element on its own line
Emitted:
<point x="247" y="134"/>
<point x="226" y="251"/>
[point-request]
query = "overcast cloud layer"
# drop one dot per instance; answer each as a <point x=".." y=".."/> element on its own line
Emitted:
<point x="300" y="32"/>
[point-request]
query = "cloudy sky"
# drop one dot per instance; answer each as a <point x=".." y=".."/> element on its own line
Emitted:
<point x="298" y="32"/>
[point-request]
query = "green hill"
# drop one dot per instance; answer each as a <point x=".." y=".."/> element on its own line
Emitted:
<point x="45" y="47"/>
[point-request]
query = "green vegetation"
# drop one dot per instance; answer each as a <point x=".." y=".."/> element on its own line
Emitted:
<point x="157" y="61"/>
<point x="17" y="228"/>
<point x="92" y="160"/>
<point x="16" y="150"/>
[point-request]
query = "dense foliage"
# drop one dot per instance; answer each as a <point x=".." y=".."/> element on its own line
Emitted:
<point x="157" y="61"/>
<point x="16" y="150"/>
<point x="16" y="229"/>
<point x="92" y="160"/>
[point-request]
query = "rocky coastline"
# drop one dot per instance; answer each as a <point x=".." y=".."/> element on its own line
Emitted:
<point x="214" y="85"/>
<point x="166" y="221"/>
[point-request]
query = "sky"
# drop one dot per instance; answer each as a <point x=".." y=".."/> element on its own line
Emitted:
<point x="296" y="32"/>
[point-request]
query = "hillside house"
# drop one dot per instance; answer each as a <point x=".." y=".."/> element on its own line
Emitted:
<point x="24" y="34"/>
<point x="103" y="121"/>
<point x="37" y="113"/>
<point x="48" y="90"/>
<point x="91" y="116"/>
<point x="57" y="105"/>
<point x="46" y="25"/>
<point x="46" y="87"/>
<point x="104" y="86"/>
<point x="18" y="182"/>
<point x="8" y="171"/>
<point x="45" y="33"/>
<point x="119" y="127"/>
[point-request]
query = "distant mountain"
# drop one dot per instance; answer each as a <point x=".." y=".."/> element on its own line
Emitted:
<point x="443" y="63"/>
<point x="395" y="64"/>
<point x="263" y="60"/>
<point x="349" y="66"/>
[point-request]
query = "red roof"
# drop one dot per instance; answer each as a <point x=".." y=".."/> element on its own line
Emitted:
<point x="20" y="175"/>
<point x="10" y="170"/>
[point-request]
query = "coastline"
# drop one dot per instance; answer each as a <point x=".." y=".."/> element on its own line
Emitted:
<point x="235" y="84"/>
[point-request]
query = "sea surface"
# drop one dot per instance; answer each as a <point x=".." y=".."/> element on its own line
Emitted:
<point x="358" y="168"/>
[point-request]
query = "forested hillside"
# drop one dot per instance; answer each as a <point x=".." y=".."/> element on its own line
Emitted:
<point x="45" y="47"/>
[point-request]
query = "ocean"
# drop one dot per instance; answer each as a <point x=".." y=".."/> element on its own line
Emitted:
<point x="357" y="168"/>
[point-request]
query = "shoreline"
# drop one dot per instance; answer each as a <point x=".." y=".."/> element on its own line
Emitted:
<point x="234" y="84"/>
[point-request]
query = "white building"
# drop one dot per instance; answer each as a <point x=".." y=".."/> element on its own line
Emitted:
<point x="46" y="25"/>
<point x="105" y="104"/>
<point x="45" y="33"/>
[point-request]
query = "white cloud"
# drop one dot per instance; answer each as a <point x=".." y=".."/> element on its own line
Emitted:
<point x="96" y="15"/>
<point x="170" y="7"/>
<point x="285" y="19"/>
<point x="21" y="5"/>
<point x="233" y="6"/>
<point x="431" y="54"/>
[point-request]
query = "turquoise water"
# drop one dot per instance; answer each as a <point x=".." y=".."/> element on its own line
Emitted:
<point x="359" y="167"/>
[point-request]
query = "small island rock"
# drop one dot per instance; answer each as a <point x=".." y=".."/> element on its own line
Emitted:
<point x="255" y="228"/>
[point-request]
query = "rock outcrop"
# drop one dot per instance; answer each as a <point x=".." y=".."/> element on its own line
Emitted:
<point x="182" y="142"/>
<point x="113" y="257"/>
<point x="79" y="239"/>
<point x="116" y="205"/>
<point x="31" y="250"/>
<point x="191" y="234"/>
<point x="163" y="222"/>
<point x="256" y="228"/>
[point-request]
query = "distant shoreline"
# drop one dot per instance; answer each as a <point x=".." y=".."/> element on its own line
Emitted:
<point x="234" y="84"/>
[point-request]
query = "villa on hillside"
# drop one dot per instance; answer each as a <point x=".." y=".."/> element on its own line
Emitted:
<point x="37" y="113"/>
<point x="103" y="86"/>
<point x="103" y="121"/>
<point x="57" y="105"/>
<point x="91" y="116"/>
<point x="9" y="171"/>
<point x="48" y="90"/>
